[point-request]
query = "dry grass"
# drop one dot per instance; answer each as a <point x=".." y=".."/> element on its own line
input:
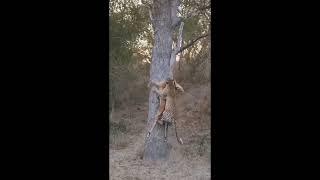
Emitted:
<point x="117" y="136"/>
<point x="188" y="161"/>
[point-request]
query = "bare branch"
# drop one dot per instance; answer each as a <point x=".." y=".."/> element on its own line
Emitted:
<point x="174" y="10"/>
<point x="174" y="53"/>
<point x="179" y="44"/>
<point x="150" y="15"/>
<point x="191" y="43"/>
<point x="194" y="13"/>
<point x="148" y="4"/>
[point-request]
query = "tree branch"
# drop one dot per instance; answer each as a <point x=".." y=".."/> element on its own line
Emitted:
<point x="174" y="5"/>
<point x="191" y="43"/>
<point x="192" y="14"/>
<point x="179" y="43"/>
<point x="148" y="4"/>
<point x="150" y="16"/>
<point x="174" y="53"/>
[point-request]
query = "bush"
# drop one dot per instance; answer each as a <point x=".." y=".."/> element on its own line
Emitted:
<point x="128" y="85"/>
<point x="117" y="138"/>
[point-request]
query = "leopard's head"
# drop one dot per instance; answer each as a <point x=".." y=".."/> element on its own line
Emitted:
<point x="170" y="82"/>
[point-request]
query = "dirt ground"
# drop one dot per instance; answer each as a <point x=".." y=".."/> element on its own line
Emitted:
<point x="188" y="161"/>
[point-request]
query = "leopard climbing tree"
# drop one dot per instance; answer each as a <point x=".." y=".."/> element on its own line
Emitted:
<point x="166" y="24"/>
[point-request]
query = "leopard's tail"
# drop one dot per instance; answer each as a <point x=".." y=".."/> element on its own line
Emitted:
<point x="175" y="127"/>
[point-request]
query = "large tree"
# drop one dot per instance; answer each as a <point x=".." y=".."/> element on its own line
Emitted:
<point x="167" y="26"/>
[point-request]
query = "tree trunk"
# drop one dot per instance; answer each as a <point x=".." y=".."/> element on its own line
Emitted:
<point x="163" y="20"/>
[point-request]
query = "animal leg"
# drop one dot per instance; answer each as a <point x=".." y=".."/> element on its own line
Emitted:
<point x="178" y="138"/>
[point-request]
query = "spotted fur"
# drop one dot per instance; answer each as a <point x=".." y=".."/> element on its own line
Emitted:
<point x="167" y="110"/>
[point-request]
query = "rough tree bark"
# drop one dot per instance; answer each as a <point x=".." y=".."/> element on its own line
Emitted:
<point x="164" y="20"/>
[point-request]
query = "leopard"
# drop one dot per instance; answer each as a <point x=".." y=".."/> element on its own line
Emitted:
<point x="166" y="113"/>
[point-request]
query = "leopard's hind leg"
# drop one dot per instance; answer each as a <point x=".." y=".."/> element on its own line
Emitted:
<point x="175" y="127"/>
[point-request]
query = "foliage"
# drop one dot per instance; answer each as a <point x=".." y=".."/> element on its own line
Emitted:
<point x="130" y="46"/>
<point x="128" y="21"/>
